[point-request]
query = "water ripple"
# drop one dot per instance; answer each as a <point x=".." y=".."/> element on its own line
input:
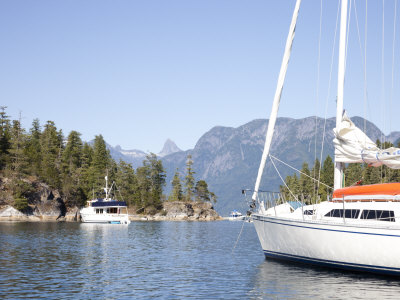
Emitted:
<point x="173" y="260"/>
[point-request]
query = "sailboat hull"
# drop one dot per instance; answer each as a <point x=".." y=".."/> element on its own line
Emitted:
<point x="344" y="246"/>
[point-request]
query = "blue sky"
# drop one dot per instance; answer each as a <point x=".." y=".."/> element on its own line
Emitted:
<point x="139" y="72"/>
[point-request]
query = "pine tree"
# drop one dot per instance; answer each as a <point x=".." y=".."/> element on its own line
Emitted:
<point x="127" y="183"/>
<point x="213" y="197"/>
<point x="86" y="178"/>
<point x="101" y="162"/>
<point x="176" y="193"/>
<point x="353" y="174"/>
<point x="327" y="177"/>
<point x="72" y="187"/>
<point x="51" y="145"/>
<point x="72" y="155"/>
<point x="33" y="149"/>
<point x="189" y="179"/>
<point x="18" y="140"/>
<point x="305" y="182"/>
<point x="201" y="191"/>
<point x="144" y="186"/>
<point x="157" y="179"/>
<point x="371" y="175"/>
<point x="4" y="137"/>
<point x="327" y="172"/>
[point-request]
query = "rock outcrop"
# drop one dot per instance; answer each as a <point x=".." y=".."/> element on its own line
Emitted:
<point x="183" y="211"/>
<point x="44" y="204"/>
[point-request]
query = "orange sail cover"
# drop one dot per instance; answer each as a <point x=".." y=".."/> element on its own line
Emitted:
<point x="373" y="189"/>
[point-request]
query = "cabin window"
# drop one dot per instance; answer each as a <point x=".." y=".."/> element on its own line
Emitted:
<point x="348" y="213"/>
<point x="308" y="212"/>
<point x="380" y="215"/>
<point x="112" y="210"/>
<point x="99" y="210"/>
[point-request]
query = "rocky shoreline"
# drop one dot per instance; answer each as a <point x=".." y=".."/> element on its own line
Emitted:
<point x="46" y="205"/>
<point x="172" y="211"/>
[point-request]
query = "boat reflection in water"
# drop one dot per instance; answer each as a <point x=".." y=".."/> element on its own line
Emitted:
<point x="285" y="280"/>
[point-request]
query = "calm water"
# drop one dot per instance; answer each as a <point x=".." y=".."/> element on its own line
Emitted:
<point x="172" y="260"/>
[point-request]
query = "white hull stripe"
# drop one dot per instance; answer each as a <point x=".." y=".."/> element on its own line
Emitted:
<point x="332" y="263"/>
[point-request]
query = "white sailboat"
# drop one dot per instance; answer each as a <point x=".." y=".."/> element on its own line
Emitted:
<point x="359" y="228"/>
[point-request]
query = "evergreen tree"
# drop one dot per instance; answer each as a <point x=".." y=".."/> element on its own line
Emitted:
<point x="353" y="174"/>
<point x="213" y="197"/>
<point x="127" y="183"/>
<point x="18" y="139"/>
<point x="33" y="149"/>
<point x="100" y="163"/>
<point x="292" y="183"/>
<point x="144" y="186"/>
<point x="327" y="177"/>
<point x="305" y="183"/>
<point x="189" y="179"/>
<point x="201" y="191"/>
<point x="371" y="175"/>
<point x="157" y="179"/>
<point x="176" y="193"/>
<point x="72" y="187"/>
<point x="327" y="172"/>
<point x="72" y="156"/>
<point x="4" y="137"/>
<point x="51" y="145"/>
<point x="86" y="178"/>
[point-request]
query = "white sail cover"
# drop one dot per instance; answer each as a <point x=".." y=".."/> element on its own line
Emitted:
<point x="354" y="146"/>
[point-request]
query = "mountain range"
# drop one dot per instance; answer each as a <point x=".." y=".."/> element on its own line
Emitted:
<point x="228" y="158"/>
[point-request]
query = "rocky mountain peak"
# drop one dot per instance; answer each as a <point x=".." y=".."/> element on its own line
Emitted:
<point x="169" y="148"/>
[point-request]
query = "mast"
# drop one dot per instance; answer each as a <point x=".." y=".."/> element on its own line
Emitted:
<point x="277" y="97"/>
<point x="338" y="178"/>
<point x="106" y="189"/>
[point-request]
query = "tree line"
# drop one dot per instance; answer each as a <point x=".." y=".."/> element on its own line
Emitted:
<point x="77" y="169"/>
<point x="306" y="186"/>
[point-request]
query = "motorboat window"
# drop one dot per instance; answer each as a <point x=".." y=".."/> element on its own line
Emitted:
<point x="112" y="210"/>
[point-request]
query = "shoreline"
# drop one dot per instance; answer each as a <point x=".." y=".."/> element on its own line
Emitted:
<point x="172" y="211"/>
<point x="10" y="214"/>
<point x="132" y="218"/>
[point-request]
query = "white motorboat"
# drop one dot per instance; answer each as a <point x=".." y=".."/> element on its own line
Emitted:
<point x="359" y="228"/>
<point x="236" y="216"/>
<point x="105" y="210"/>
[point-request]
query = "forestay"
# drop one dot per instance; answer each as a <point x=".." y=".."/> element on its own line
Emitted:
<point x="354" y="146"/>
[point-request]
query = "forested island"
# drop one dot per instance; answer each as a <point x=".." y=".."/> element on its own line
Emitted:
<point x="42" y="165"/>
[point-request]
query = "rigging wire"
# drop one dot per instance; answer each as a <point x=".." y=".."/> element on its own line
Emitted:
<point x="237" y="240"/>
<point x="393" y="61"/>
<point x="347" y="35"/>
<point x="363" y="61"/>
<point x="383" y="100"/>
<point x="383" y="96"/>
<point x="271" y="156"/>
<point x="365" y="67"/>
<point x="317" y="95"/>
<point x="329" y="89"/>
<point x="276" y="169"/>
